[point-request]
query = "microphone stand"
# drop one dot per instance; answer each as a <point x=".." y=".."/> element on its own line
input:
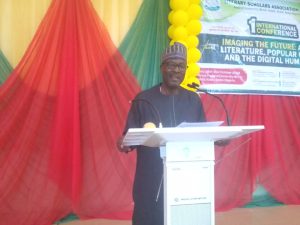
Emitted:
<point x="195" y="86"/>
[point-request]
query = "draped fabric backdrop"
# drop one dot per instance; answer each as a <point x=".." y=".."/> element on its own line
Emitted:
<point x="61" y="111"/>
<point x="65" y="103"/>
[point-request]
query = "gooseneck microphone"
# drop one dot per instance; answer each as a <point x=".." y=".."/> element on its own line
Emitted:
<point x="157" y="115"/>
<point x="196" y="86"/>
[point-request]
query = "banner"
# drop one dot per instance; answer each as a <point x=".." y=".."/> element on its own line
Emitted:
<point x="250" y="47"/>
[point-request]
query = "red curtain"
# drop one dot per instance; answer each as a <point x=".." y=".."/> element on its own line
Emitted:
<point x="61" y="111"/>
<point x="270" y="157"/>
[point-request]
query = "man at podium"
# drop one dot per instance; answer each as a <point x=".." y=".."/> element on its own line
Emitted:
<point x="166" y="104"/>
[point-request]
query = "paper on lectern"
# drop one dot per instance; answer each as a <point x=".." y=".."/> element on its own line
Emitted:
<point x="201" y="124"/>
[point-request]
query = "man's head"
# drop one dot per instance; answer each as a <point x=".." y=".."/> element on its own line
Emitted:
<point x="173" y="65"/>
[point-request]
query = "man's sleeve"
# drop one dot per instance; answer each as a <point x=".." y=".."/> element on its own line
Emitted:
<point x="133" y="117"/>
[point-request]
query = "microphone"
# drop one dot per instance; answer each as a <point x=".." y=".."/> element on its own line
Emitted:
<point x="153" y="107"/>
<point x="196" y="86"/>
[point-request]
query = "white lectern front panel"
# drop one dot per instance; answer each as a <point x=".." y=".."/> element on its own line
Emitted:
<point x="189" y="183"/>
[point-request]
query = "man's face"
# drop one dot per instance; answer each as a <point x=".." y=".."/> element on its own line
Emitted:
<point x="173" y="71"/>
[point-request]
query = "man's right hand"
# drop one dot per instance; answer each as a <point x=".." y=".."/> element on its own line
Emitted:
<point x="121" y="147"/>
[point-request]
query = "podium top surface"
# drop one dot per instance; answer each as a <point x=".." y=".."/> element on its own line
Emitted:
<point x="155" y="137"/>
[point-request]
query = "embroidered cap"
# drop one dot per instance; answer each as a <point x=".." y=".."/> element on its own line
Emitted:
<point x="177" y="50"/>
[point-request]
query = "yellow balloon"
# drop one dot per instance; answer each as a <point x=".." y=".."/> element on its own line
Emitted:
<point x="185" y="81"/>
<point x="186" y="74"/>
<point x="192" y="41"/>
<point x="171" y="42"/>
<point x="179" y="4"/>
<point x="194" y="27"/>
<point x="170" y="16"/>
<point x="180" y="18"/>
<point x="189" y="75"/>
<point x="171" y="31"/>
<point x="180" y="33"/>
<point x="195" y="11"/>
<point x="193" y="55"/>
<point x="193" y="69"/>
<point x="195" y="2"/>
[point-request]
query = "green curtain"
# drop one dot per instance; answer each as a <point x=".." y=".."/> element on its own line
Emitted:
<point x="146" y="40"/>
<point x="5" y="68"/>
<point x="261" y="198"/>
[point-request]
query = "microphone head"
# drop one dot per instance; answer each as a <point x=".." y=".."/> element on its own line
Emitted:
<point x="149" y="125"/>
<point x="193" y="85"/>
<point x="190" y="86"/>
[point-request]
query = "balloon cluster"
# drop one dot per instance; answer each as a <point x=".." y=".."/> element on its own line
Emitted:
<point x="185" y="26"/>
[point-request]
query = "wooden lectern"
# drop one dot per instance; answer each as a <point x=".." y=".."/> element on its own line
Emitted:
<point x="188" y="154"/>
